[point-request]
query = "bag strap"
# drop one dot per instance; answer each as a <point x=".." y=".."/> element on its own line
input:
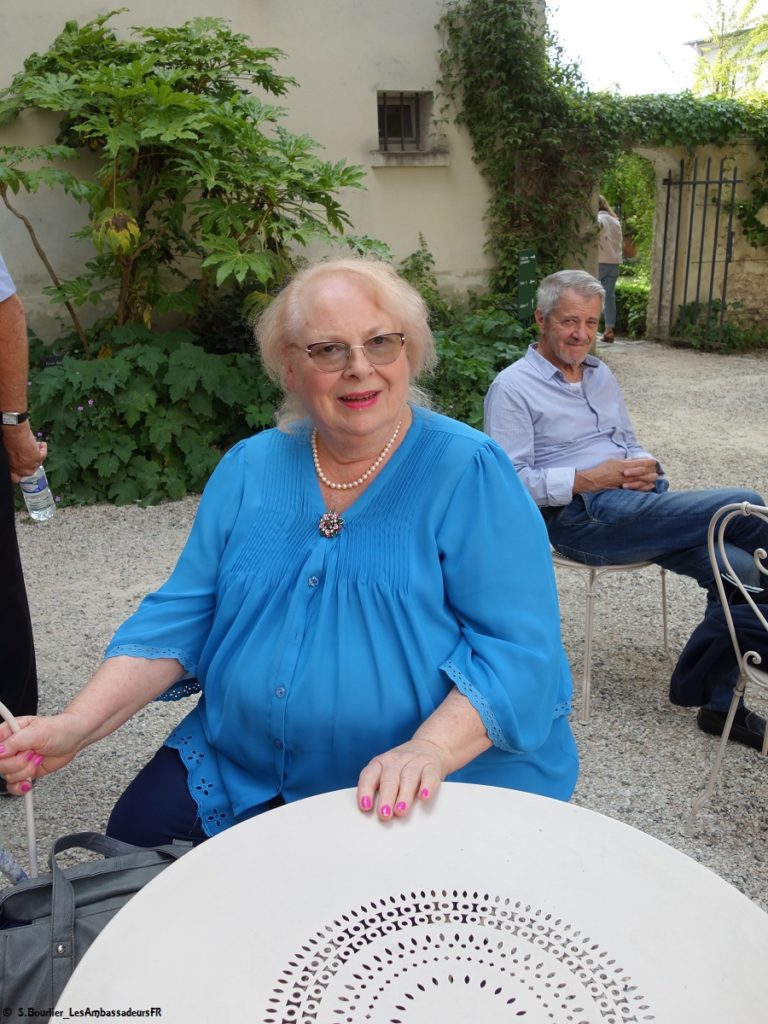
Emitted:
<point x="93" y="841"/>
<point x="29" y="809"/>
<point x="62" y="945"/>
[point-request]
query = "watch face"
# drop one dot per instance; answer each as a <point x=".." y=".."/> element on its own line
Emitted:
<point x="12" y="419"/>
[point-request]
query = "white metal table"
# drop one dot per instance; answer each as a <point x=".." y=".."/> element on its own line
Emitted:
<point x="488" y="906"/>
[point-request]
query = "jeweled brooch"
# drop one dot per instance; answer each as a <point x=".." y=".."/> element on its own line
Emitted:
<point x="330" y="525"/>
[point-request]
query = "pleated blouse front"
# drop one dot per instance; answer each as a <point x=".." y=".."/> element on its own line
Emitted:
<point x="314" y="654"/>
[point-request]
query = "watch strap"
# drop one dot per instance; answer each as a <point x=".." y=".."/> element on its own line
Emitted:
<point x="13" y="419"/>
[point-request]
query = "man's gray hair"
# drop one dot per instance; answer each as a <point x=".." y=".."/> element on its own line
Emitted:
<point x="551" y="289"/>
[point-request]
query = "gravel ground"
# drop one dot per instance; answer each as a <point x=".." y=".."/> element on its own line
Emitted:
<point x="642" y="759"/>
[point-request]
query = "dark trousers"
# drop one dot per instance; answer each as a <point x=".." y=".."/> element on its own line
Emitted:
<point x="18" y="674"/>
<point x="157" y="807"/>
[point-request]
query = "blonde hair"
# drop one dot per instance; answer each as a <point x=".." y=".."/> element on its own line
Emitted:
<point x="277" y="326"/>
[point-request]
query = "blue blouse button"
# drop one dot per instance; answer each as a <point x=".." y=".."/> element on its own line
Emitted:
<point x="280" y="691"/>
<point x="313" y="581"/>
<point x="277" y="744"/>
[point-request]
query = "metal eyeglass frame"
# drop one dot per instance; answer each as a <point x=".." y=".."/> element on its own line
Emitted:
<point x="350" y="348"/>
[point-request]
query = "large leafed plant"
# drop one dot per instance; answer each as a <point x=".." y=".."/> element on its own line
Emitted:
<point x="196" y="182"/>
<point x="197" y="201"/>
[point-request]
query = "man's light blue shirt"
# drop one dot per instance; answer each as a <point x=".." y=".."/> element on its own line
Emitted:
<point x="551" y="428"/>
<point x="7" y="287"/>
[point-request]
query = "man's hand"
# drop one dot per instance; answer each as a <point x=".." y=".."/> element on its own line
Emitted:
<point x="25" y="454"/>
<point x="630" y="474"/>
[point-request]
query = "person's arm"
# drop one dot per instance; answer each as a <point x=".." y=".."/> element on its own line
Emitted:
<point x="509" y="421"/>
<point x="115" y="692"/>
<point x="24" y="455"/>
<point x="507" y="670"/>
<point x="451" y="737"/>
<point x="150" y="652"/>
<point x="639" y="470"/>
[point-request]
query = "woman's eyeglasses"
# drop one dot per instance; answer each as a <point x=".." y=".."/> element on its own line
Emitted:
<point x="332" y="356"/>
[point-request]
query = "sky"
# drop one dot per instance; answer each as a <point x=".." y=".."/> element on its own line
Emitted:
<point x="637" y="46"/>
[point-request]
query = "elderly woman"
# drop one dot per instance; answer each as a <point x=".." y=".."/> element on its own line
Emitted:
<point x="366" y="598"/>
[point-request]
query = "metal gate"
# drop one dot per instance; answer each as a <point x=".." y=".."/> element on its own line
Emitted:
<point x="697" y="248"/>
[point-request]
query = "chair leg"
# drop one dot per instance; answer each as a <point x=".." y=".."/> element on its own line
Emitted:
<point x="665" y="616"/>
<point x="589" y="615"/>
<point x="703" y="798"/>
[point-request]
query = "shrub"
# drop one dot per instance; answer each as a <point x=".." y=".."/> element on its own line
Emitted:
<point x="699" y="327"/>
<point x="149" y="420"/>
<point x="419" y="270"/>
<point x="197" y="182"/>
<point x="632" y="306"/>
<point x="472" y="350"/>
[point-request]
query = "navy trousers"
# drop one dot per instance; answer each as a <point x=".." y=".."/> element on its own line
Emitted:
<point x="18" y="673"/>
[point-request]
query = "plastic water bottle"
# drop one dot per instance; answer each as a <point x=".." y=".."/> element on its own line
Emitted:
<point x="37" y="495"/>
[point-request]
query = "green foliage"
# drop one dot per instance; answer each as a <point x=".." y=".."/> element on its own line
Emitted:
<point x="631" y="306"/>
<point x="752" y="210"/>
<point x="149" y="421"/>
<point x="197" y="183"/>
<point x="419" y="270"/>
<point x="699" y="326"/>
<point x="733" y="56"/>
<point x="472" y="350"/>
<point x="540" y="139"/>
<point x="544" y="142"/>
<point x="629" y="185"/>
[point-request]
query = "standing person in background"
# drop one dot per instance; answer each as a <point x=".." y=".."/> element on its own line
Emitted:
<point x="609" y="254"/>
<point x="20" y="455"/>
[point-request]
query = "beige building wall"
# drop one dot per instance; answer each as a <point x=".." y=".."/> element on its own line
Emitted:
<point x="342" y="52"/>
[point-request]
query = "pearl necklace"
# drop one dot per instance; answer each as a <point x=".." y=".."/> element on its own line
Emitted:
<point x="361" y="479"/>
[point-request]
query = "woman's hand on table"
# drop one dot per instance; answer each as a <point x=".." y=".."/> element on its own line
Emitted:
<point x="392" y="782"/>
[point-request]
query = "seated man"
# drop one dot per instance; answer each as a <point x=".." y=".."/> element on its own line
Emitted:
<point x="560" y="416"/>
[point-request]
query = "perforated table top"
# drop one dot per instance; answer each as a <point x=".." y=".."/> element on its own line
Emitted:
<point x="488" y="906"/>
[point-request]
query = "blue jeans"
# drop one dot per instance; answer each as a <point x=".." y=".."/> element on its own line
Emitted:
<point x="608" y="275"/>
<point x="665" y="527"/>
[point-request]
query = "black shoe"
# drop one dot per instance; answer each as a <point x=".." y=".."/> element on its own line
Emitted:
<point x="748" y="727"/>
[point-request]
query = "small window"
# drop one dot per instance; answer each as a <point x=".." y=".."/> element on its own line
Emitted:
<point x="402" y="119"/>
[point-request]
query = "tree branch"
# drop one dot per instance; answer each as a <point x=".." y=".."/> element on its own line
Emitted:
<point x="52" y="273"/>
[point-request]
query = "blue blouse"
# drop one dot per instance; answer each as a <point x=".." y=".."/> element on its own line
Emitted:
<point x="315" y="654"/>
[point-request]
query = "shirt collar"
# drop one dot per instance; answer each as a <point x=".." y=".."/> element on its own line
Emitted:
<point x="549" y="370"/>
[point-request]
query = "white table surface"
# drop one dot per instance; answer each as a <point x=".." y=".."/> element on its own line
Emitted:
<point x="487" y="906"/>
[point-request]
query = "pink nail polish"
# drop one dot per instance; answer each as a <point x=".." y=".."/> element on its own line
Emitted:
<point x="424" y="793"/>
<point x="366" y="804"/>
<point x="37" y="760"/>
<point x="402" y="807"/>
<point x="30" y="754"/>
<point x="25" y="787"/>
<point x="385" y="811"/>
<point x="2" y="749"/>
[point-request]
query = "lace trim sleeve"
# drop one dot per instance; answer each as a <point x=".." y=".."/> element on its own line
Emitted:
<point x="483" y="708"/>
<point x="480" y="704"/>
<point x="183" y="688"/>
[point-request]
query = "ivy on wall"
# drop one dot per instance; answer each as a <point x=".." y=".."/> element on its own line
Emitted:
<point x="544" y="141"/>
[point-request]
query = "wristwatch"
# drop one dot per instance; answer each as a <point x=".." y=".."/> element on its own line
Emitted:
<point x="13" y="419"/>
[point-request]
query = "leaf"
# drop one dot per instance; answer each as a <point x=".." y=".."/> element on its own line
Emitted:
<point x="88" y="450"/>
<point x="107" y="464"/>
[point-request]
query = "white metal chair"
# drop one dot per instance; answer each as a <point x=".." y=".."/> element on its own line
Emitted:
<point x="591" y="574"/>
<point x="746" y="660"/>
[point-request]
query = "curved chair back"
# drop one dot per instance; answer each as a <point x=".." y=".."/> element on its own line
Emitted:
<point x="718" y="556"/>
<point x="748" y="660"/>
